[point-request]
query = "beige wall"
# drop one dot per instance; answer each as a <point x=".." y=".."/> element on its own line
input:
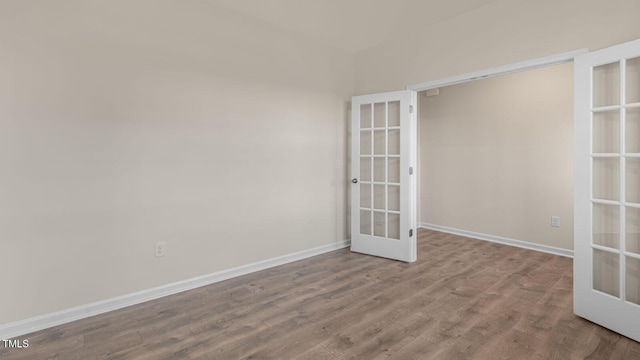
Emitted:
<point x="496" y="156"/>
<point x="501" y="32"/>
<point x="125" y="123"/>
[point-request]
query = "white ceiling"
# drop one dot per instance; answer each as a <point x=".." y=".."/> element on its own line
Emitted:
<point x="352" y="25"/>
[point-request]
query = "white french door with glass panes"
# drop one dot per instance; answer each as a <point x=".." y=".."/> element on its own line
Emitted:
<point x="383" y="202"/>
<point x="607" y="188"/>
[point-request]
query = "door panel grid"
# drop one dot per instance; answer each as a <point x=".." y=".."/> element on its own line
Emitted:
<point x="607" y="189"/>
<point x="383" y="166"/>
<point x="615" y="177"/>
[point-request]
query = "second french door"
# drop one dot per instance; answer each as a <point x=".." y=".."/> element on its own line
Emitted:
<point x="607" y="188"/>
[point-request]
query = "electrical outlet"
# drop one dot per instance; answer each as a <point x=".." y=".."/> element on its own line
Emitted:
<point x="555" y="221"/>
<point x="161" y="249"/>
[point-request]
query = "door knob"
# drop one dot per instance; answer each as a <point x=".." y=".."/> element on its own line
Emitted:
<point x="354" y="180"/>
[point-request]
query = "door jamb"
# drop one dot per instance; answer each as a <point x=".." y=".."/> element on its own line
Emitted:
<point x="531" y="64"/>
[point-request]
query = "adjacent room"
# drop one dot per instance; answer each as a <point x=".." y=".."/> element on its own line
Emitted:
<point x="496" y="157"/>
<point x="177" y="180"/>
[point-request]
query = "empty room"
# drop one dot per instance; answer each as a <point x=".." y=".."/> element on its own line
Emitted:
<point x="296" y="179"/>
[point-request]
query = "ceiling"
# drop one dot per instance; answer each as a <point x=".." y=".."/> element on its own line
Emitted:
<point x="352" y="25"/>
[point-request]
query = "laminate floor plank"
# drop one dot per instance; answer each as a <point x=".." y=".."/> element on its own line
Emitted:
<point x="463" y="299"/>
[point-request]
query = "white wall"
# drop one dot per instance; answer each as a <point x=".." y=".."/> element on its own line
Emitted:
<point x="496" y="156"/>
<point x="124" y="123"/>
<point x="501" y="32"/>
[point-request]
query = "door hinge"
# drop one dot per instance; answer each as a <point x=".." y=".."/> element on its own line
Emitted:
<point x="410" y="109"/>
<point x="410" y="232"/>
<point x="410" y="170"/>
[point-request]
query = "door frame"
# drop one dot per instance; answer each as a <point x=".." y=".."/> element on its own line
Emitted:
<point x="531" y="64"/>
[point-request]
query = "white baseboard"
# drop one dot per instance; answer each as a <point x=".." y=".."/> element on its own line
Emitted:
<point x="11" y="330"/>
<point x="501" y="240"/>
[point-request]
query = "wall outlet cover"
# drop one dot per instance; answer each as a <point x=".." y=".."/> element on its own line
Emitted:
<point x="161" y="249"/>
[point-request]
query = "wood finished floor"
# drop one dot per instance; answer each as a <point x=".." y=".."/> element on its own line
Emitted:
<point x="462" y="299"/>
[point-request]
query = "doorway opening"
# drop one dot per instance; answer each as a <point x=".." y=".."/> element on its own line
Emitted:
<point x="496" y="158"/>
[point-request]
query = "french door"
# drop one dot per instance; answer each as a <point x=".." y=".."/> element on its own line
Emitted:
<point x="383" y="166"/>
<point x="607" y="188"/>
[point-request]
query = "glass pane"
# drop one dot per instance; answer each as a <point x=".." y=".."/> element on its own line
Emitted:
<point x="379" y="170"/>
<point x="633" y="80"/>
<point x="394" y="142"/>
<point x="606" y="85"/>
<point x="632" y="130"/>
<point x="394" y="226"/>
<point x="365" y="168"/>
<point x="365" y="195"/>
<point x="394" y="113"/>
<point x="606" y="272"/>
<point x="606" y="132"/>
<point x="606" y="225"/>
<point x="380" y="144"/>
<point x="606" y="178"/>
<point x="379" y="197"/>
<point x="379" y="228"/>
<point x="379" y="112"/>
<point x="365" y="116"/>
<point x="365" y="222"/>
<point x="394" y="170"/>
<point x="632" y="190"/>
<point x="633" y="230"/>
<point x="365" y="142"/>
<point x="394" y="197"/>
<point x="633" y="280"/>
